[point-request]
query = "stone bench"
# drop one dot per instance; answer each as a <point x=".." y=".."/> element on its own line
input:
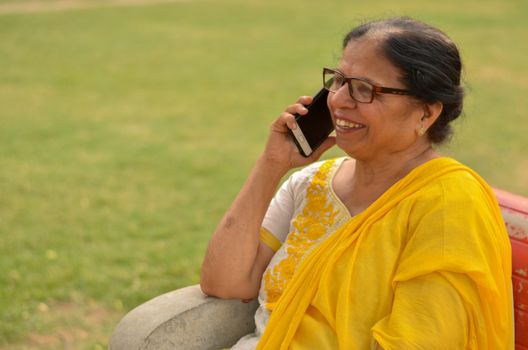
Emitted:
<point x="184" y="319"/>
<point x="187" y="319"/>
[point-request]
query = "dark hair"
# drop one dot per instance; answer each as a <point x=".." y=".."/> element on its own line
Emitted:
<point x="429" y="61"/>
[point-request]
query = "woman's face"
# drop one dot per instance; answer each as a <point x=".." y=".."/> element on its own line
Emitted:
<point x="385" y="127"/>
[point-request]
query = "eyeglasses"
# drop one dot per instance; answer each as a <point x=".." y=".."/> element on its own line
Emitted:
<point x="359" y="89"/>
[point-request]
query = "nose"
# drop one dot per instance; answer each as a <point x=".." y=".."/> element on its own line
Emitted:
<point x="341" y="98"/>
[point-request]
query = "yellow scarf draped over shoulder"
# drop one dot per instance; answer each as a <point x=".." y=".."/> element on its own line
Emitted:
<point x="426" y="266"/>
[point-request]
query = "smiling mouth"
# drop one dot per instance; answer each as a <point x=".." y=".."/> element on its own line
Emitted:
<point x="346" y="125"/>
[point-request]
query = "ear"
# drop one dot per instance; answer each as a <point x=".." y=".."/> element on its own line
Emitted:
<point x="431" y="113"/>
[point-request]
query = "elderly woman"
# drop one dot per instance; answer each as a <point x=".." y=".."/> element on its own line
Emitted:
<point x="392" y="247"/>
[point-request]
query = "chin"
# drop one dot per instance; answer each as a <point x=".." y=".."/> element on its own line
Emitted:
<point x="350" y="150"/>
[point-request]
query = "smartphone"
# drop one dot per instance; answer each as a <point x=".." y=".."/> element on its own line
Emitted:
<point x="314" y="127"/>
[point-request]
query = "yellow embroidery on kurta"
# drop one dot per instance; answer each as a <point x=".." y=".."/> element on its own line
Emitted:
<point x="309" y="227"/>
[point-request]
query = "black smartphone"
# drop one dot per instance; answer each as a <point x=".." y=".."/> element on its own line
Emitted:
<point x="315" y="126"/>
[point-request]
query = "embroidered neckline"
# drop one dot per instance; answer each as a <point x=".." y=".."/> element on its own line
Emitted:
<point x="309" y="228"/>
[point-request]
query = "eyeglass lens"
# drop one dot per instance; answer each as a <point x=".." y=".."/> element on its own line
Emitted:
<point x="359" y="90"/>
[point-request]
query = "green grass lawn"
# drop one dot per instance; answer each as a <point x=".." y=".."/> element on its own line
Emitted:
<point x="125" y="132"/>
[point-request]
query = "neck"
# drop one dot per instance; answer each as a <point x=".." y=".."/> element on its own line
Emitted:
<point x="383" y="172"/>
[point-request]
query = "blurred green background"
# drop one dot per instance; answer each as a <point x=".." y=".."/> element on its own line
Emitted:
<point x="125" y="132"/>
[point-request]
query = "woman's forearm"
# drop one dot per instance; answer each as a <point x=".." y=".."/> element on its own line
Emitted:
<point x="227" y="270"/>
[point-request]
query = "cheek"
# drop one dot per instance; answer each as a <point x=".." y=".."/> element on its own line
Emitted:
<point x="398" y="125"/>
<point x="330" y="105"/>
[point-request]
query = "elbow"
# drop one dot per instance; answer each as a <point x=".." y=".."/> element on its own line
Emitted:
<point x="212" y="290"/>
<point x="206" y="289"/>
<point x="227" y="290"/>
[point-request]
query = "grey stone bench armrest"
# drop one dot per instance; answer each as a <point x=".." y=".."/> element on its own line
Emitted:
<point x="184" y="319"/>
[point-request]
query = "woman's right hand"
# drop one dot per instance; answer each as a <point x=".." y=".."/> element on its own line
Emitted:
<point x="280" y="149"/>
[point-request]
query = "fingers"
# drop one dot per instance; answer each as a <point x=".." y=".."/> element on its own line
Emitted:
<point x="287" y="118"/>
<point x="300" y="106"/>
<point x="305" y="100"/>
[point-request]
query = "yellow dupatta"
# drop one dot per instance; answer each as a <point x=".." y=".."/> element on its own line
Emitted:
<point x="488" y="266"/>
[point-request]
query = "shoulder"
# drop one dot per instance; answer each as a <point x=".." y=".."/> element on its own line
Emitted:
<point x="455" y="224"/>
<point x="459" y="188"/>
<point x="457" y="206"/>
<point x="444" y="179"/>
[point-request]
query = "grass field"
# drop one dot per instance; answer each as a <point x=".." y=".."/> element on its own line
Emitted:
<point x="126" y="131"/>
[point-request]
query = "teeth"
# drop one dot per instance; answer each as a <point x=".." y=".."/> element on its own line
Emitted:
<point x="346" y="124"/>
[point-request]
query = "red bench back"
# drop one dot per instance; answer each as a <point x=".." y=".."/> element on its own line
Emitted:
<point x="515" y="213"/>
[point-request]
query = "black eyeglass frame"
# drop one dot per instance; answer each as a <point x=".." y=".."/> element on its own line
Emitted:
<point x="376" y="89"/>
